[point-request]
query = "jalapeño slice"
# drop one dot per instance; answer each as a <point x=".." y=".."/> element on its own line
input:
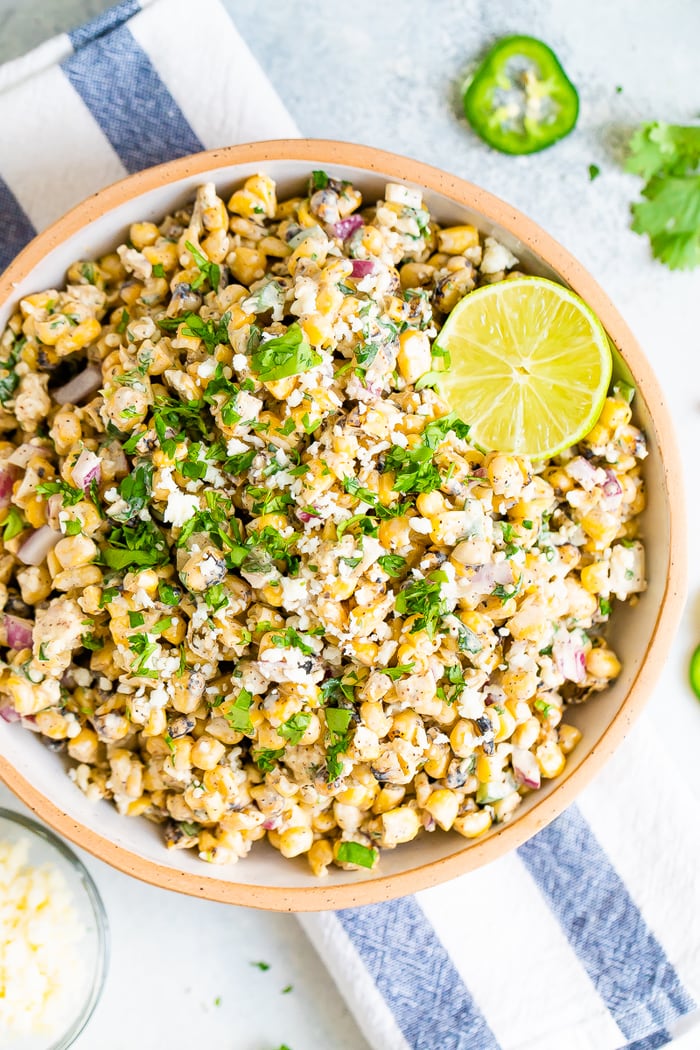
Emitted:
<point x="519" y="99"/>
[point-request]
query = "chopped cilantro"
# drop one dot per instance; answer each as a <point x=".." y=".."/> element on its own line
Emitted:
<point x="72" y="527"/>
<point x="352" y="562"/>
<point x="295" y="727"/>
<point x="142" y="544"/>
<point x="135" y="490"/>
<point x="69" y="494"/>
<point x="266" y="759"/>
<point x="605" y="606"/>
<point x="123" y="322"/>
<point x="292" y="639"/>
<point x="593" y="172"/>
<point x="423" y="599"/>
<point x="211" y="332"/>
<point x="356" y="853"/>
<point x="319" y="180"/>
<point x="284" y="355"/>
<point x="353" y="487"/>
<point x="9" y="380"/>
<point x="503" y="593"/>
<point x="338" y="720"/>
<point x="208" y="271"/>
<point x="12" y="525"/>
<point x="238" y="713"/>
<point x="168" y="594"/>
<point x="108" y="595"/>
<point x="90" y="642"/>
<point x="436" y="432"/>
<point x="136" y="619"/>
<point x="398" y="671"/>
<point x="216" y="597"/>
<point x="414" y="469"/>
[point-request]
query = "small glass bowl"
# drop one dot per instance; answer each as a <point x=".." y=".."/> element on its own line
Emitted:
<point x="47" y="848"/>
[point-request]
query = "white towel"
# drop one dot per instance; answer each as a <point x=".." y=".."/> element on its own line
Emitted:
<point x="589" y="935"/>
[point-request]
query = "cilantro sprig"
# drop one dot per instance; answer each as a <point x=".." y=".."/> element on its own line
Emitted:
<point x="284" y="355"/>
<point x="208" y="271"/>
<point x="667" y="156"/>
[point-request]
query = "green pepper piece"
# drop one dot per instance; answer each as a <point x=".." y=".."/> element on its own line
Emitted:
<point x="695" y="672"/>
<point x="520" y="100"/>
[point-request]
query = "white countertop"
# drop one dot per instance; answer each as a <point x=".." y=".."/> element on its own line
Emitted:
<point x="385" y="74"/>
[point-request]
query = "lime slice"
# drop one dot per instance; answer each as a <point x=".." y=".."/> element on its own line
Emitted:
<point x="530" y="366"/>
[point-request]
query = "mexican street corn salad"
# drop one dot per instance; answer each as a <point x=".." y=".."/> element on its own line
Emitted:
<point x="256" y="581"/>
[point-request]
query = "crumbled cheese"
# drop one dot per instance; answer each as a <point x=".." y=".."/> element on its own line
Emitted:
<point x="180" y="508"/>
<point x="397" y="193"/>
<point x="41" y="967"/>
<point x="421" y="525"/>
<point x="240" y="362"/>
<point x="207" y="368"/>
<point x="294" y="593"/>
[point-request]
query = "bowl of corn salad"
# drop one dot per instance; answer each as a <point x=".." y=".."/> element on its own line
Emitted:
<point x="274" y="631"/>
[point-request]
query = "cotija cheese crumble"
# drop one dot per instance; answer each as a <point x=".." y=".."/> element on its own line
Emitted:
<point x="257" y="582"/>
<point x="40" y="934"/>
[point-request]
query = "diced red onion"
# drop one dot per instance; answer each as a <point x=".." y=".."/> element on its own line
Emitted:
<point x="480" y="472"/>
<point x="581" y="470"/>
<point x="80" y="387"/>
<point x="34" y="550"/>
<point x="486" y="577"/>
<point x="6" y="482"/>
<point x="362" y="267"/>
<point x="8" y="714"/>
<point x="20" y="633"/>
<point x="87" y="469"/>
<point x="495" y="695"/>
<point x="272" y="823"/>
<point x="346" y="227"/>
<point x="569" y="657"/>
<point x="307" y="515"/>
<point x="612" y="486"/>
<point x="525" y="767"/>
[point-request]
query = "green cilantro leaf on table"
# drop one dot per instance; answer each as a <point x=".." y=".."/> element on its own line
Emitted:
<point x="667" y="156"/>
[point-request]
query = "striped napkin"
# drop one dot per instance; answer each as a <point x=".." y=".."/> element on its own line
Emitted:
<point x="581" y="940"/>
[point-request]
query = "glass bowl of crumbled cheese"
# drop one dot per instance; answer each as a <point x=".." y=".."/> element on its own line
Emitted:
<point x="53" y="939"/>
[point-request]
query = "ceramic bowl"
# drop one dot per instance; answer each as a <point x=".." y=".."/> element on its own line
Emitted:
<point x="641" y="635"/>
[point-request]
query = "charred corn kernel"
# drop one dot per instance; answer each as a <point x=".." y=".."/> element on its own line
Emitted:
<point x="35" y="512"/>
<point x="162" y="254"/>
<point x="80" y="577"/>
<point x="505" y="474"/>
<point x="455" y="240"/>
<point x="443" y="806"/>
<point x="415" y="275"/>
<point x="371" y="240"/>
<point x="287" y="208"/>
<point x="488" y="767"/>
<point x="246" y="264"/>
<point x="207" y="752"/>
<point x="550" y="759"/>
<point x="216" y="246"/>
<point x="430" y="503"/>
<point x="615" y="413"/>
<point x="34" y="583"/>
<point x="525" y="735"/>
<point x="77" y="550"/>
<point x="275" y="247"/>
<point x="519" y="685"/>
<point x="471" y="825"/>
<point x="414" y="358"/>
<point x="406" y="724"/>
<point x="437" y="761"/>
<point x="399" y="825"/>
<point x="66" y="430"/>
<point x="602" y="663"/>
<point x="569" y="737"/>
<point x="463" y="739"/>
<point x="364" y="652"/>
<point x="594" y="577"/>
<point x="142" y="234"/>
<point x="319" y="856"/>
<point x="295" y="841"/>
<point x="84" y="747"/>
<point x="506" y="725"/>
<point x="155" y="723"/>
<point x="395" y="533"/>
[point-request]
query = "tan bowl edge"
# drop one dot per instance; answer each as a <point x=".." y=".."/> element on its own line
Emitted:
<point x="508" y="836"/>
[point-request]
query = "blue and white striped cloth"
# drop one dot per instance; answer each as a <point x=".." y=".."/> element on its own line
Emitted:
<point x="587" y="938"/>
